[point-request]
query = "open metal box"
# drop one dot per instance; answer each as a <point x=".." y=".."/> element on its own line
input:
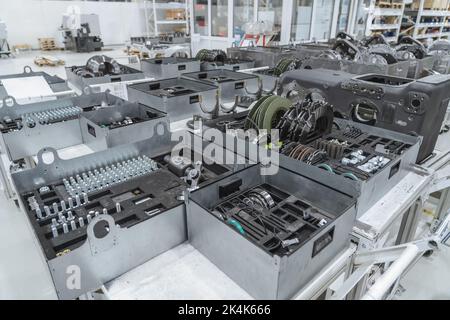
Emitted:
<point x="373" y="141"/>
<point x="229" y="64"/>
<point x="26" y="129"/>
<point x="180" y="98"/>
<point x="100" y="215"/>
<point x="272" y="252"/>
<point x="230" y="83"/>
<point x="170" y="67"/>
<point x="80" y="77"/>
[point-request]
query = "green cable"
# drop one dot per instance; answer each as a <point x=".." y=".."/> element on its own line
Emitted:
<point x="325" y="167"/>
<point x="237" y="225"/>
<point x="350" y="175"/>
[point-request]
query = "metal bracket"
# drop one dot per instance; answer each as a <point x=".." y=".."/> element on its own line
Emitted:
<point x="102" y="234"/>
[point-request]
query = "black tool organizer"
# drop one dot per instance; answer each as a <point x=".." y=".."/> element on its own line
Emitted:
<point x="354" y="139"/>
<point x="281" y="229"/>
<point x="370" y="144"/>
<point x="140" y="198"/>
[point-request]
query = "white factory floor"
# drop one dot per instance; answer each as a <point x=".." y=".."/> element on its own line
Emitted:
<point x="175" y="274"/>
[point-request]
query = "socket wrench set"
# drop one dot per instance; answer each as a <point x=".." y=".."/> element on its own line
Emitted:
<point x="270" y="234"/>
<point x="56" y="84"/>
<point x="99" y="70"/>
<point x="399" y="104"/>
<point x="170" y="67"/>
<point x="113" y="210"/>
<point x="180" y="98"/>
<point x="62" y="123"/>
<point x="336" y="151"/>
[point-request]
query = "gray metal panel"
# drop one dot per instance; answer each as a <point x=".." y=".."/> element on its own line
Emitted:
<point x="27" y="142"/>
<point x="248" y="265"/>
<point x="177" y="107"/>
<point x="102" y="260"/>
<point x="55" y="83"/>
<point x="81" y="82"/>
<point x="228" y="87"/>
<point x="171" y="67"/>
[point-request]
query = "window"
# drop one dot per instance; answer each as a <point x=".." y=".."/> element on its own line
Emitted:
<point x="361" y="18"/>
<point x="219" y="18"/>
<point x="269" y="12"/>
<point x="323" y="18"/>
<point x="242" y="15"/>
<point x="201" y="17"/>
<point x="344" y="15"/>
<point x="301" y="20"/>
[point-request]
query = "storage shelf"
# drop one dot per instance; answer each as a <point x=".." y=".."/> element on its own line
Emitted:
<point x="171" y="21"/>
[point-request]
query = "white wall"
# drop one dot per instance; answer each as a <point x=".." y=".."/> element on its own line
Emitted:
<point x="28" y="20"/>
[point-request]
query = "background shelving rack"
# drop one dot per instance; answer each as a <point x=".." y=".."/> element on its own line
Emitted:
<point x="385" y="17"/>
<point x="156" y="16"/>
<point x="427" y="20"/>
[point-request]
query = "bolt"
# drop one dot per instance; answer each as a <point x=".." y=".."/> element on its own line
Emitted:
<point x="54" y="231"/>
<point x="47" y="211"/>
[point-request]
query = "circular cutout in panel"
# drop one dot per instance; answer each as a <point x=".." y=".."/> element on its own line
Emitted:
<point x="160" y="129"/>
<point x="9" y="101"/>
<point x="365" y="113"/>
<point x="48" y="157"/>
<point x="101" y="229"/>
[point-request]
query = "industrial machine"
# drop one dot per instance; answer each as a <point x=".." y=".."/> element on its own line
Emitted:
<point x="410" y="106"/>
<point x="111" y="211"/>
<point x="337" y="152"/>
<point x="218" y="59"/>
<point x="270" y="234"/>
<point x="81" y="32"/>
<point x="170" y="67"/>
<point x="99" y="70"/>
<point x="4" y="46"/>
<point x="31" y="86"/>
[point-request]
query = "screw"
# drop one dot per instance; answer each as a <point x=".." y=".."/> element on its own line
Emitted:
<point x="54" y="231"/>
